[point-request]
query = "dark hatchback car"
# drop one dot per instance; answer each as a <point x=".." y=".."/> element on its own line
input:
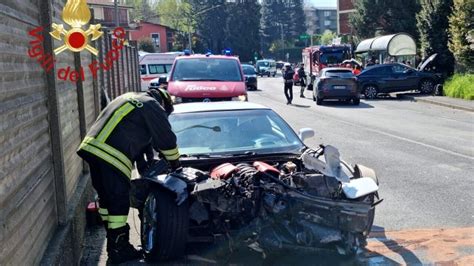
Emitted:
<point x="336" y="83"/>
<point x="397" y="77"/>
<point x="250" y="77"/>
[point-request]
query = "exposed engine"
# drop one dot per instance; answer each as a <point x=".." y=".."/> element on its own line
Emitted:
<point x="286" y="205"/>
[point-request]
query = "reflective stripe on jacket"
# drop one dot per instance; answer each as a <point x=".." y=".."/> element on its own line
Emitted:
<point x="126" y="128"/>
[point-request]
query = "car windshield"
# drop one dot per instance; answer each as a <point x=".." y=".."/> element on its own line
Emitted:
<point x="248" y="70"/>
<point x="339" y="74"/>
<point x="263" y="64"/>
<point x="331" y="58"/>
<point x="207" y="69"/>
<point x="233" y="132"/>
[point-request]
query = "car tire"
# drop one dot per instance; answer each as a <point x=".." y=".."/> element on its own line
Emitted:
<point x="426" y="86"/>
<point x="356" y="101"/>
<point x="370" y="92"/>
<point x="319" y="101"/>
<point x="268" y="75"/>
<point x="274" y="74"/>
<point x="164" y="226"/>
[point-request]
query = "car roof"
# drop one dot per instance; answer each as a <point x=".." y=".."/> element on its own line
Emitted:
<point x="216" y="106"/>
<point x="337" y="68"/>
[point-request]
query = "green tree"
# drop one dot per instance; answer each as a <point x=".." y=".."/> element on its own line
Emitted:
<point x="327" y="37"/>
<point x="433" y="23"/>
<point x="461" y="22"/>
<point x="146" y="45"/>
<point x="281" y="17"/>
<point x="373" y="17"/>
<point x="142" y="11"/>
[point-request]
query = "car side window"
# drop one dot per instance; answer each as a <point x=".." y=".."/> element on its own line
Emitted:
<point x="399" y="69"/>
<point x="157" y="69"/>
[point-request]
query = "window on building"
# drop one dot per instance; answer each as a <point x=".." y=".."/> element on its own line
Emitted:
<point x="327" y="22"/>
<point x="327" y="13"/>
<point x="155" y="37"/>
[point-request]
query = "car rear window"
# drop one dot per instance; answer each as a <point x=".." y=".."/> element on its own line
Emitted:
<point x="248" y="70"/>
<point x="207" y="69"/>
<point x="339" y="74"/>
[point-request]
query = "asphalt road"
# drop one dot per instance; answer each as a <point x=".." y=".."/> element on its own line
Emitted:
<point x="423" y="155"/>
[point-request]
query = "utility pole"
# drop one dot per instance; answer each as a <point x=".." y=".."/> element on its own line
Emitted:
<point x="116" y="13"/>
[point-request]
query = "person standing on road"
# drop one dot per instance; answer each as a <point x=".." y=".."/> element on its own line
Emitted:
<point x="302" y="77"/>
<point x="130" y="127"/>
<point x="288" y="78"/>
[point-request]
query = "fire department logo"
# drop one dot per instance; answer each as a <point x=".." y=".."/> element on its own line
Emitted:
<point x="76" y="14"/>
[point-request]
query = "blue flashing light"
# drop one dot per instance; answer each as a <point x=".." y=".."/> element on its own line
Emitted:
<point x="228" y="52"/>
<point x="187" y="52"/>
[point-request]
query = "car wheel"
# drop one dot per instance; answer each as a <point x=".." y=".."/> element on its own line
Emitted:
<point x="319" y="101"/>
<point x="164" y="226"/>
<point x="274" y="74"/>
<point x="426" y="86"/>
<point x="356" y="101"/>
<point x="370" y="92"/>
<point x="268" y="75"/>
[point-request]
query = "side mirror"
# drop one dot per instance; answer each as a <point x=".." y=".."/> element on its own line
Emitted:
<point x="163" y="80"/>
<point x="305" y="133"/>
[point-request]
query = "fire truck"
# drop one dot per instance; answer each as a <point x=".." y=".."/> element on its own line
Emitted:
<point x="315" y="58"/>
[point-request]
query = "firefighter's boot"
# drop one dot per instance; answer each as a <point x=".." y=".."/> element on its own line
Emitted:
<point x="119" y="249"/>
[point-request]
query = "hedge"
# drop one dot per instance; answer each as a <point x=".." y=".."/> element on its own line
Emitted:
<point x="460" y="86"/>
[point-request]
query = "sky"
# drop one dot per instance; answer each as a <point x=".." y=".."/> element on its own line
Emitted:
<point x="324" y="3"/>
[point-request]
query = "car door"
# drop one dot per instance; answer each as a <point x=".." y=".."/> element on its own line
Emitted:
<point x="404" y="78"/>
<point x="377" y="75"/>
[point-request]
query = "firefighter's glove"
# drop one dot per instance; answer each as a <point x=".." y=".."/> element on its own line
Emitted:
<point x="175" y="164"/>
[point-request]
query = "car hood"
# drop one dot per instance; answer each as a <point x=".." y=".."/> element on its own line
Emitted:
<point x="198" y="89"/>
<point x="422" y="66"/>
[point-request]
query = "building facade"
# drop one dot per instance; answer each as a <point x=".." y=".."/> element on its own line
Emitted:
<point x="161" y="36"/>
<point x="344" y="9"/>
<point x="320" y="19"/>
<point x="104" y="13"/>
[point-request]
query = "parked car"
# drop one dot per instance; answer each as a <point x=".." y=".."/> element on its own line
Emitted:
<point x="397" y="77"/>
<point x="336" y="83"/>
<point x="160" y="81"/>
<point x="207" y="78"/>
<point x="266" y="67"/>
<point x="250" y="77"/>
<point x="249" y="177"/>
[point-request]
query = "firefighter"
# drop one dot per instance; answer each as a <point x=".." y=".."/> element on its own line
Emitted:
<point x="126" y="130"/>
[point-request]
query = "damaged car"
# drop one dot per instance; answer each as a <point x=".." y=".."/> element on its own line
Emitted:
<point x="248" y="179"/>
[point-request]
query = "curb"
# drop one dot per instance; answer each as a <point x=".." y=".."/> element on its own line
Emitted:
<point x="439" y="103"/>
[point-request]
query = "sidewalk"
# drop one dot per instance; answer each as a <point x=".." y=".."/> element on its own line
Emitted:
<point x="445" y="101"/>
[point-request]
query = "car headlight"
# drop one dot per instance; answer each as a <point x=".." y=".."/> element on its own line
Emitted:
<point x="176" y="99"/>
<point x="241" y="98"/>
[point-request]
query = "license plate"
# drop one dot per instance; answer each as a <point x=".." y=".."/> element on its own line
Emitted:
<point x="339" y="87"/>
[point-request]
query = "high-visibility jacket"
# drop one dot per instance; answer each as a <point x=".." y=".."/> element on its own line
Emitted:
<point x="125" y="129"/>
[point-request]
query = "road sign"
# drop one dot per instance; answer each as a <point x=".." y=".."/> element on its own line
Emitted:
<point x="305" y="36"/>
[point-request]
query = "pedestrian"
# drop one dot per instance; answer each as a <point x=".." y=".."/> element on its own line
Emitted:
<point x="370" y="63"/>
<point x="126" y="131"/>
<point x="302" y="79"/>
<point x="288" y="79"/>
<point x="356" y="71"/>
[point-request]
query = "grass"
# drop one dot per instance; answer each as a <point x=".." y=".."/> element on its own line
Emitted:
<point x="460" y="86"/>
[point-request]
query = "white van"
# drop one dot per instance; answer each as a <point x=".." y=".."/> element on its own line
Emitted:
<point x="154" y="65"/>
<point x="266" y="67"/>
